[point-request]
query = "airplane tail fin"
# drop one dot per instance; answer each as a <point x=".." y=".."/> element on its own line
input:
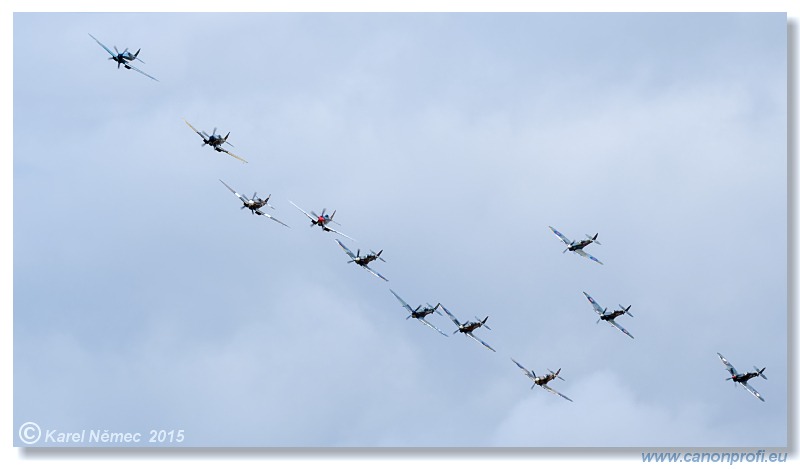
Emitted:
<point x="761" y="372"/>
<point x="556" y="373"/>
<point x="594" y="238"/>
<point x="483" y="323"/>
<point x="627" y="310"/>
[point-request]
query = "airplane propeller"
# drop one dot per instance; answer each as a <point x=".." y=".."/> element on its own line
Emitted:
<point x="601" y="317"/>
<point x="118" y="54"/>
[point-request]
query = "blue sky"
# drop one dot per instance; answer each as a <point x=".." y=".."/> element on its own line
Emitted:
<point x="143" y="297"/>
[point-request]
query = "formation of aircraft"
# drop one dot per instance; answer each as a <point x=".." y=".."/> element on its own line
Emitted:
<point x="419" y="312"/>
<point x="609" y="317"/>
<point x="577" y="246"/>
<point x="322" y="220"/>
<point x="124" y="58"/>
<point x="255" y="204"/>
<point x="542" y="380"/>
<point x="215" y="141"/>
<point x="742" y="378"/>
<point x="469" y="326"/>
<point x="364" y="260"/>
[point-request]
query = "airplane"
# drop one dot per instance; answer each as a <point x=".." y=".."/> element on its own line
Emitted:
<point x="215" y="140"/>
<point x="742" y="378"/>
<point x="609" y="317"/>
<point x="124" y="58"/>
<point x="254" y="204"/>
<point x="322" y="220"/>
<point x="577" y="246"/>
<point x="469" y="326"/>
<point x="363" y="261"/>
<point x="419" y="312"/>
<point x="543" y="380"/>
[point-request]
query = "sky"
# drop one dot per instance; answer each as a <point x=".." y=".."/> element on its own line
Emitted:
<point x="144" y="299"/>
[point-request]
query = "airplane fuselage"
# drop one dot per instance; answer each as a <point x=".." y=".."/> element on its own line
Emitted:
<point x="421" y="313"/>
<point x="215" y="141"/>
<point x="254" y="204"/>
<point x="542" y="380"/>
<point x="469" y="327"/>
<point x="744" y="377"/>
<point x="610" y="316"/>
<point x="580" y="245"/>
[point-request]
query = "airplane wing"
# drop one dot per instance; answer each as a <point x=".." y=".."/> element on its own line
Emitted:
<point x="405" y="305"/>
<point x="596" y="306"/>
<point x="326" y="228"/>
<point x="226" y="151"/>
<point x="727" y="364"/>
<point x="350" y="253"/>
<point x="527" y="373"/>
<point x="272" y="218"/>
<point x="375" y="273"/>
<point x="482" y="342"/>
<point x="613" y="323"/>
<point x="752" y="391"/>
<point x="240" y="196"/>
<point x="103" y="46"/>
<point x="556" y="392"/>
<point x="452" y="318"/>
<point x="422" y="320"/>
<point x="195" y="130"/>
<point x="128" y="65"/>
<point x="563" y="238"/>
<point x="585" y="254"/>
<point x="306" y="213"/>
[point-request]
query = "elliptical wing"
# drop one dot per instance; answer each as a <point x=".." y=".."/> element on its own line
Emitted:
<point x="556" y="392"/>
<point x="479" y="340"/>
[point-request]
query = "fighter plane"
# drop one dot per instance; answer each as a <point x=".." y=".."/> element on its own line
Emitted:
<point x="419" y="312"/>
<point x="543" y="380"/>
<point x="469" y="326"/>
<point x="254" y="204"/>
<point x="609" y="317"/>
<point x="577" y="246"/>
<point x="123" y="58"/>
<point x="742" y="378"/>
<point x="215" y="140"/>
<point x="364" y="260"/>
<point x="322" y="220"/>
